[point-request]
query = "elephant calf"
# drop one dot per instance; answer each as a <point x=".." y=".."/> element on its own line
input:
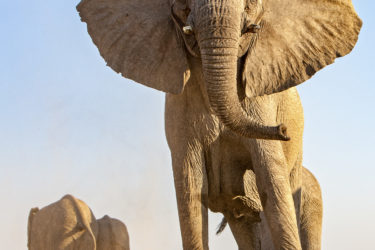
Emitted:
<point x="69" y="224"/>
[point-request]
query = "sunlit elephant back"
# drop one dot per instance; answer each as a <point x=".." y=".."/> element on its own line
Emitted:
<point x="69" y="224"/>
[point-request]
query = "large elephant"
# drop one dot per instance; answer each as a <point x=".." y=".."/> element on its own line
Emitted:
<point x="69" y="224"/>
<point x="229" y="68"/>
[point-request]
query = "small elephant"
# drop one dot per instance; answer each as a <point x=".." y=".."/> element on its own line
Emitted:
<point x="69" y="224"/>
<point x="229" y="68"/>
<point x="113" y="234"/>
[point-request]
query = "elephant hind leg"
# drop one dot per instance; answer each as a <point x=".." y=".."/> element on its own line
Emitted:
<point x="311" y="212"/>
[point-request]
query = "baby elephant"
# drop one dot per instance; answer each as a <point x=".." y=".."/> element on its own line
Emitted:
<point x="69" y="224"/>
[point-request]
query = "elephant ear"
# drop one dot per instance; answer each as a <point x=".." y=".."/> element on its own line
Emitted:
<point x="137" y="38"/>
<point x="297" y="38"/>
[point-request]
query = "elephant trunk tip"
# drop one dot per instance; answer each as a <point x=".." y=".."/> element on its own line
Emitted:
<point x="282" y="132"/>
<point x="261" y="131"/>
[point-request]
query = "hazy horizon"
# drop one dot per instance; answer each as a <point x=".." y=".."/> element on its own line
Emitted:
<point x="69" y="124"/>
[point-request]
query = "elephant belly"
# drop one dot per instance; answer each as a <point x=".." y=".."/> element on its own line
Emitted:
<point x="231" y="180"/>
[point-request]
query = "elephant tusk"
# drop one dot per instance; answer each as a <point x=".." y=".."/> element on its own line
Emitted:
<point x="254" y="28"/>
<point x="188" y="30"/>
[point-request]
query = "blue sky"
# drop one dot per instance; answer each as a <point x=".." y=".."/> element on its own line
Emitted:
<point x="69" y="124"/>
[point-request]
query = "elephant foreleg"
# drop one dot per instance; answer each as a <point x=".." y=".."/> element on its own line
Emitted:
<point x="191" y="191"/>
<point x="311" y="212"/>
<point x="272" y="179"/>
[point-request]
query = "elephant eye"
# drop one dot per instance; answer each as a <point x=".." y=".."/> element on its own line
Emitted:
<point x="188" y="10"/>
<point x="181" y="12"/>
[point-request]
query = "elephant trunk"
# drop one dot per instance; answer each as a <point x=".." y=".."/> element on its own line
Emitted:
<point x="218" y="31"/>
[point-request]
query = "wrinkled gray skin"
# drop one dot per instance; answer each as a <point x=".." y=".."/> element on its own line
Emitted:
<point x="218" y="29"/>
<point x="112" y="234"/>
<point x="69" y="224"/>
<point x="217" y="169"/>
<point x="220" y="167"/>
<point x="230" y="100"/>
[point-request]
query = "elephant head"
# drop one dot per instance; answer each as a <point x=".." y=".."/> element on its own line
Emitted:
<point x="69" y="224"/>
<point x="266" y="46"/>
